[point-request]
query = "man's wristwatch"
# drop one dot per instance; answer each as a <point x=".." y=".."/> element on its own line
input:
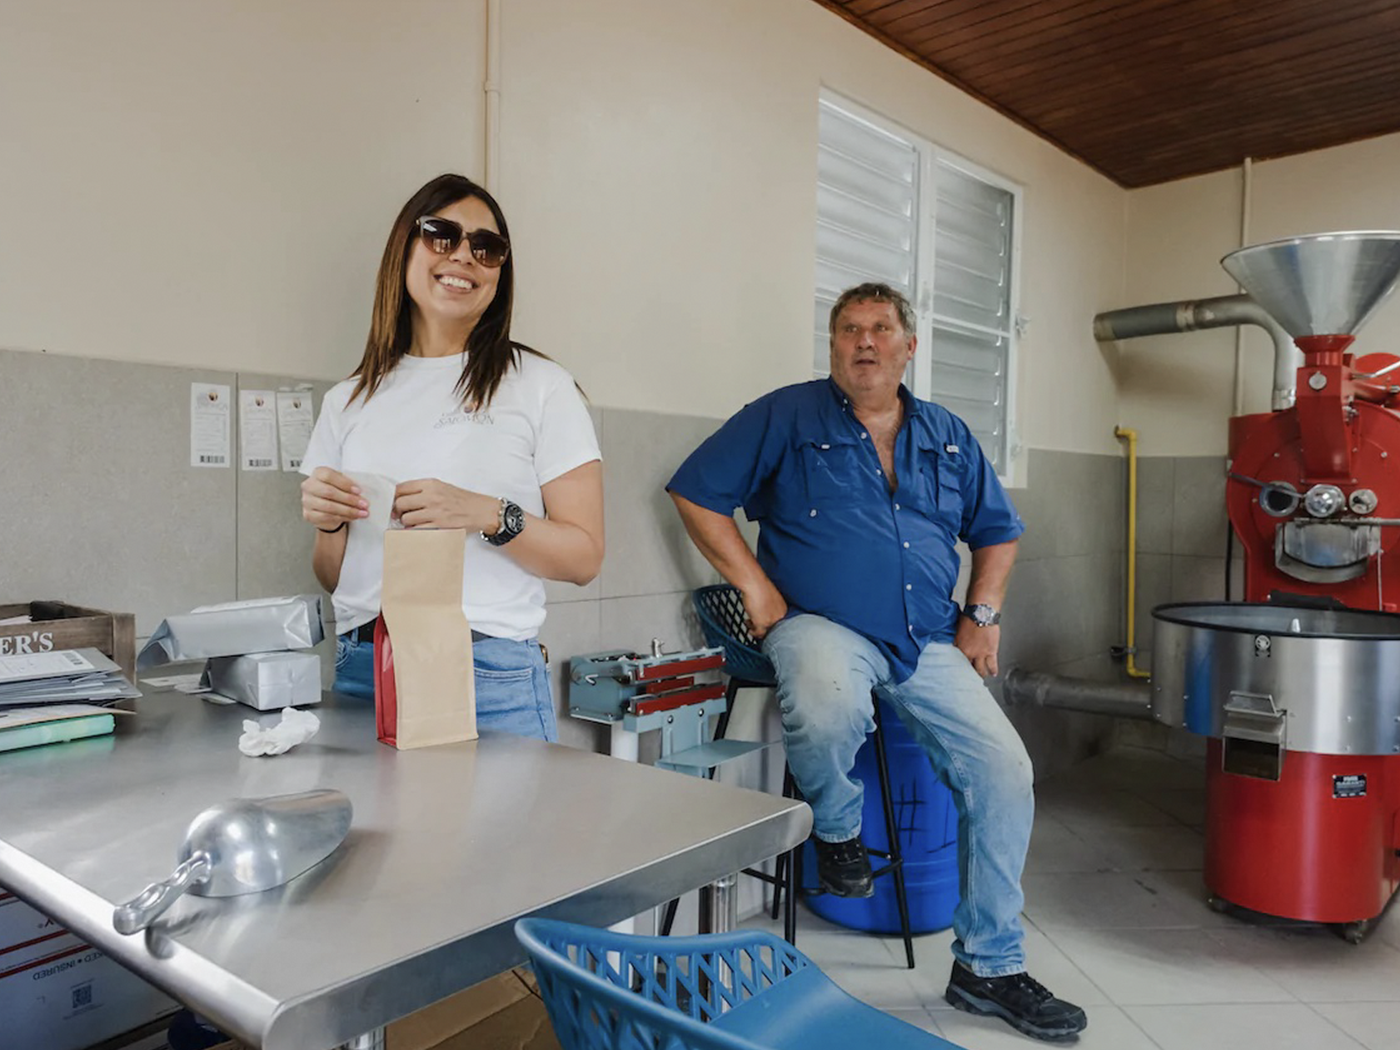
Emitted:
<point x="982" y="615"/>
<point x="510" y="524"/>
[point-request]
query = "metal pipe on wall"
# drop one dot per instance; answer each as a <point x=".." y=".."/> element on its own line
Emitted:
<point x="1037" y="689"/>
<point x="1130" y="436"/>
<point x="1221" y="312"/>
<point x="492" y="90"/>
<point x="1246" y="211"/>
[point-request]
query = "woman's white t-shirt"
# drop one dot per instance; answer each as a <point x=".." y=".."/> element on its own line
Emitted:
<point x="535" y="429"/>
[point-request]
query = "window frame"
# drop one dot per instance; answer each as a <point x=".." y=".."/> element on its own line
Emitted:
<point x="931" y="154"/>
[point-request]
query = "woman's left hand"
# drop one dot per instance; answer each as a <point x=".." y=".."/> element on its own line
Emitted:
<point x="430" y="503"/>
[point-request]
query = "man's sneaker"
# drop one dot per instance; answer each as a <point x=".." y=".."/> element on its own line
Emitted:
<point x="1018" y="999"/>
<point x="843" y="868"/>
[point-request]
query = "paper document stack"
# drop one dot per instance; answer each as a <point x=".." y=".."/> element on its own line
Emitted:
<point x="60" y="695"/>
<point x="64" y="676"/>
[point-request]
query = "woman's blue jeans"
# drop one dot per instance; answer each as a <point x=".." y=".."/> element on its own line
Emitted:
<point x="826" y="673"/>
<point x="512" y="683"/>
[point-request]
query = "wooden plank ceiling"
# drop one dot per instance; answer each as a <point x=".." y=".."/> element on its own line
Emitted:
<point x="1147" y="91"/>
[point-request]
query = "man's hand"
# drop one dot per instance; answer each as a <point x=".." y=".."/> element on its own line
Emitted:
<point x="979" y="645"/>
<point x="430" y="503"/>
<point x="765" y="607"/>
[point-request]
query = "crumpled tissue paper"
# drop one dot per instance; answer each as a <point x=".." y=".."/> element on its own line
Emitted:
<point x="296" y="727"/>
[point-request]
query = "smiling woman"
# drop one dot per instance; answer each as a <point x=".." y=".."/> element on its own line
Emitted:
<point x="449" y="423"/>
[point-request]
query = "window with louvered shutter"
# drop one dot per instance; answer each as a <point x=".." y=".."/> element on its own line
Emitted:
<point x="892" y="207"/>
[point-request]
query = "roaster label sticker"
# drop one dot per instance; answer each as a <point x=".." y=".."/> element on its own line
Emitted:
<point x="1349" y="785"/>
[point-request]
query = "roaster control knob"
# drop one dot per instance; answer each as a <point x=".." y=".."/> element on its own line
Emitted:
<point x="1317" y="380"/>
<point x="1261" y="643"/>
<point x="1363" y="501"/>
<point x="1322" y="501"/>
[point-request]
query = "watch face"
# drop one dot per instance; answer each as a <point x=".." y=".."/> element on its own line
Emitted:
<point x="513" y="519"/>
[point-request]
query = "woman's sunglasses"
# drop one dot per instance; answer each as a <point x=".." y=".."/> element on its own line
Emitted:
<point x="443" y="236"/>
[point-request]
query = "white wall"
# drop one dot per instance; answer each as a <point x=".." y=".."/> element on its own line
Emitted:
<point x="658" y="163"/>
<point x="210" y="184"/>
<point x="1177" y="390"/>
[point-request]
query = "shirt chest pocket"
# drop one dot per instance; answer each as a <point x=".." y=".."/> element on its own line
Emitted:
<point x="941" y="485"/>
<point x="830" y="470"/>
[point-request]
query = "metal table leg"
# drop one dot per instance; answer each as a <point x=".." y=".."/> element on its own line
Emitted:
<point x="719" y="905"/>
<point x="372" y="1040"/>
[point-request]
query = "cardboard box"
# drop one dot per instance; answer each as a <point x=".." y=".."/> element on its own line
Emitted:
<point x="503" y="1013"/>
<point x="58" y="625"/>
<point x="59" y="993"/>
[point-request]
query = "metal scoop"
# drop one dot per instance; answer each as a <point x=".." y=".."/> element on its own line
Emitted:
<point x="245" y="845"/>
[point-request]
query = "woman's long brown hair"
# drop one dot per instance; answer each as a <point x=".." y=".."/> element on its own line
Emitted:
<point x="490" y="350"/>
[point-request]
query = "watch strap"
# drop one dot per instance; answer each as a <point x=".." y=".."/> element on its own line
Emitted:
<point x="510" y="522"/>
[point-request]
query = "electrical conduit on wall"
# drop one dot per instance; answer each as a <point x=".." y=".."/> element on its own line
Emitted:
<point x="1131" y="437"/>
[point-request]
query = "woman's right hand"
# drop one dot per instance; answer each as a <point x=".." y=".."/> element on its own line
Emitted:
<point x="330" y="499"/>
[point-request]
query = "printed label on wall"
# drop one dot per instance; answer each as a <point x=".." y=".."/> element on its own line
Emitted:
<point x="294" y="418"/>
<point x="210" y="419"/>
<point x="257" y="429"/>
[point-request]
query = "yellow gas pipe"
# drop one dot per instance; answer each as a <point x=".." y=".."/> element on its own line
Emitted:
<point x="1130" y="436"/>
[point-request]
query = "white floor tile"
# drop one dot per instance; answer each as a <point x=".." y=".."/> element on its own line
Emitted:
<point x="1109" y="1029"/>
<point x="1388" y="929"/>
<point x="1076" y="805"/>
<point x="917" y="1016"/>
<point x="1115" y="900"/>
<point x="1135" y="769"/>
<point x="1375" y="1025"/>
<point x="1316" y="965"/>
<point x="1150" y="967"/>
<point x="1169" y="848"/>
<point x="1186" y="893"/>
<point x="1055" y="847"/>
<point x="1282" y="1026"/>
<point x="1187" y="805"/>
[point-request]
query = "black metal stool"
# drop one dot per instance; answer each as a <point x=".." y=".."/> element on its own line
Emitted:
<point x="722" y="618"/>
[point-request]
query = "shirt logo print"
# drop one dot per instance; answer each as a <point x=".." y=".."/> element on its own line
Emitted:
<point x="458" y="417"/>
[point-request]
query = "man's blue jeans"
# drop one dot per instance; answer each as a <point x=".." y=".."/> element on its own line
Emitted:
<point x="825" y="676"/>
<point x="512" y="683"/>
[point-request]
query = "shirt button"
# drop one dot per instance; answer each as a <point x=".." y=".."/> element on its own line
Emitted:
<point x="906" y="544"/>
<point x="879" y="472"/>
<point x="862" y="435"/>
<point x="908" y="586"/>
<point x="813" y="514"/>
<point x="896" y="506"/>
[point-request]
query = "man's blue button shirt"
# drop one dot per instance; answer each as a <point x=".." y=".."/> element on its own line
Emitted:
<point x="833" y="538"/>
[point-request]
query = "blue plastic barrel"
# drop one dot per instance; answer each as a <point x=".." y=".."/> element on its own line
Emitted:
<point x="927" y="823"/>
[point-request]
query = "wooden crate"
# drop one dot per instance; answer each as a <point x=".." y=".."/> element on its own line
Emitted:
<point x="58" y="625"/>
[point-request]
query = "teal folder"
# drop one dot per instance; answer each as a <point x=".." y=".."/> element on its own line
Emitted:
<point x="56" y="732"/>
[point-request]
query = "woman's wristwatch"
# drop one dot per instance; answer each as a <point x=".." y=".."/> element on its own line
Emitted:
<point x="510" y="524"/>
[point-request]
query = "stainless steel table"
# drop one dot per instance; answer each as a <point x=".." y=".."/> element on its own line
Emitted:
<point x="450" y="845"/>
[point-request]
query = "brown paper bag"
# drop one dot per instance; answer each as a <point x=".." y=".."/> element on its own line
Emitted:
<point x="424" y="684"/>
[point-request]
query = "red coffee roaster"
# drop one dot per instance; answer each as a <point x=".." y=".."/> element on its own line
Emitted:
<point x="1298" y="686"/>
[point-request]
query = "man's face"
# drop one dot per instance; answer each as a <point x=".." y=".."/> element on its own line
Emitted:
<point x="870" y="349"/>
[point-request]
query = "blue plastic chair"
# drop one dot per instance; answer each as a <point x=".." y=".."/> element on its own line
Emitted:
<point x="746" y="990"/>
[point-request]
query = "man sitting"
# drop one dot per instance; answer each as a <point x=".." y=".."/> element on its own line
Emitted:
<point x="861" y="492"/>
